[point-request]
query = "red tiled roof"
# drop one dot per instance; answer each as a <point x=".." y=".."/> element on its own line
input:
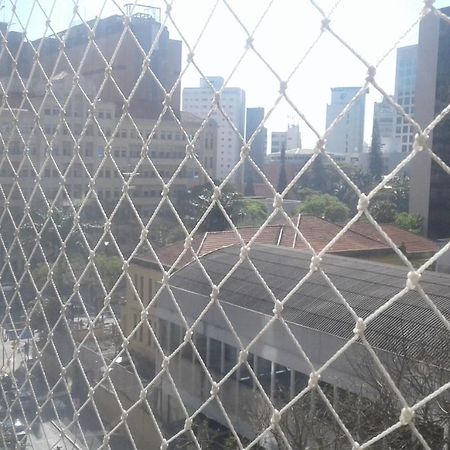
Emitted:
<point x="319" y="232"/>
<point x="413" y="243"/>
<point x="360" y="238"/>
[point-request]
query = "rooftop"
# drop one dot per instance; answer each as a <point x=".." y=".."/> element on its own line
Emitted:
<point x="407" y="324"/>
<point x="362" y="239"/>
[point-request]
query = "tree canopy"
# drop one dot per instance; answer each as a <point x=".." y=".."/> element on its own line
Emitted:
<point x="325" y="206"/>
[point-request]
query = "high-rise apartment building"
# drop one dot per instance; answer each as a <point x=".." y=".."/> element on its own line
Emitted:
<point x="348" y="135"/>
<point x="384" y="115"/>
<point x="259" y="145"/>
<point x="430" y="185"/>
<point x="76" y="143"/>
<point x="289" y="139"/>
<point x="199" y="100"/>
<point x="113" y="66"/>
<point x="405" y="93"/>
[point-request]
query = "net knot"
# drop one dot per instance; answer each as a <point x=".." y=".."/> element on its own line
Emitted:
<point x="188" y="243"/>
<point x="249" y="43"/>
<point x="420" y="141"/>
<point x="214" y="293"/>
<point x="190" y="150"/>
<point x="243" y="355"/>
<point x="371" y="72"/>
<point x="325" y="24"/>
<point x="244" y="253"/>
<point x="283" y="87"/>
<point x="278" y="201"/>
<point x="313" y="380"/>
<point x="276" y="417"/>
<point x="214" y="389"/>
<point x="406" y="416"/>
<point x="245" y="151"/>
<point x="413" y="280"/>
<point x="363" y="203"/>
<point x="278" y="309"/>
<point x="216" y="194"/>
<point x="188" y="424"/>
<point x="315" y="263"/>
<point x="360" y="327"/>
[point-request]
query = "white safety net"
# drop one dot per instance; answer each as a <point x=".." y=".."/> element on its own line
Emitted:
<point x="103" y="346"/>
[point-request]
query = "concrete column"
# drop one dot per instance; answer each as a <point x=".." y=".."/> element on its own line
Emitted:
<point x="272" y="380"/>
<point x="292" y="384"/>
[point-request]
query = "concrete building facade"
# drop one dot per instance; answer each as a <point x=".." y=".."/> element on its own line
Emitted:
<point x="67" y="155"/>
<point x="430" y="185"/>
<point x="384" y="115"/>
<point x="290" y="139"/>
<point x="259" y="145"/>
<point x="348" y="135"/>
<point x="405" y="94"/>
<point x="199" y="101"/>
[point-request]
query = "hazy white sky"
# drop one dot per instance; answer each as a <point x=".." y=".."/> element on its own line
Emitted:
<point x="371" y="27"/>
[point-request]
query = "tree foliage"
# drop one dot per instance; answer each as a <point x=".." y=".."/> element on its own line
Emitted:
<point x="383" y="211"/>
<point x="410" y="222"/>
<point x="254" y="212"/>
<point x="196" y="201"/>
<point x="325" y="206"/>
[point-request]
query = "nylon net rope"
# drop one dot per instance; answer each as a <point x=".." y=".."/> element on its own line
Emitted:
<point x="100" y="351"/>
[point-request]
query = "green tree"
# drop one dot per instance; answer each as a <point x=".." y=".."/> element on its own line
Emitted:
<point x="44" y="316"/>
<point x="254" y="212"/>
<point x="383" y="211"/>
<point x="325" y="206"/>
<point x="59" y="226"/>
<point x="410" y="222"/>
<point x="376" y="160"/>
<point x="194" y="203"/>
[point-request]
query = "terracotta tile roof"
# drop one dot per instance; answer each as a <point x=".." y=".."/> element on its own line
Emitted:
<point x="413" y="243"/>
<point x="320" y="232"/>
<point x="317" y="231"/>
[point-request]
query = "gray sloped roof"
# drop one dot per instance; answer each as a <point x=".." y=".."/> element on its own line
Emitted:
<point x="407" y="325"/>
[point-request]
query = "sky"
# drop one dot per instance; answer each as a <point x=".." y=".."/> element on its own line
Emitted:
<point x="287" y="30"/>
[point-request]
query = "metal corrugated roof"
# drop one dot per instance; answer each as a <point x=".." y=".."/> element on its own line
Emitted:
<point x="365" y="286"/>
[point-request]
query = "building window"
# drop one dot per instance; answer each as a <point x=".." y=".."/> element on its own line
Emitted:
<point x="175" y="337"/>
<point x="162" y="334"/>
<point x="215" y="355"/>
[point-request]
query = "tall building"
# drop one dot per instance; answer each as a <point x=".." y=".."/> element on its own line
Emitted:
<point x="289" y="139"/>
<point x="259" y="145"/>
<point x="348" y="135"/>
<point x="199" y="100"/>
<point x="405" y="93"/>
<point x="384" y="114"/>
<point x="125" y="56"/>
<point x="70" y="147"/>
<point x="430" y="185"/>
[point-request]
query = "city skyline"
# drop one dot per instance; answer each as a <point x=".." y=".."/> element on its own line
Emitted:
<point x="309" y="89"/>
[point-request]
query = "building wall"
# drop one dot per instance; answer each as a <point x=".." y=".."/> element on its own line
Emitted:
<point x="384" y="115"/>
<point x="126" y="61"/>
<point x="277" y="363"/>
<point x="405" y="94"/>
<point x="83" y="147"/>
<point x="290" y="139"/>
<point x="348" y="135"/>
<point x="430" y="185"/>
<point x="259" y="145"/>
<point x="198" y="101"/>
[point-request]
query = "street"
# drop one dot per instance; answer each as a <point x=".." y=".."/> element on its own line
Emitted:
<point x="48" y="429"/>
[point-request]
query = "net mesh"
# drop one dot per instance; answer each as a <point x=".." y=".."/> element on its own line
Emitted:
<point x="86" y="187"/>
